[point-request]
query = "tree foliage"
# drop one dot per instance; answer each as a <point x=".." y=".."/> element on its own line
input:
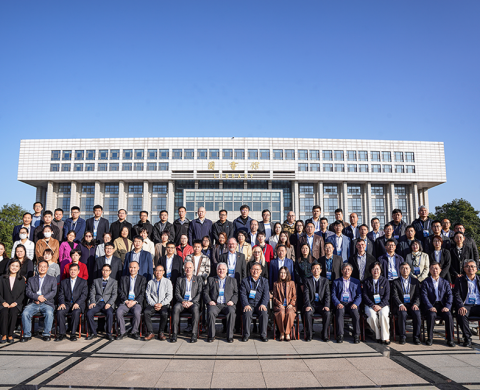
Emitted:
<point x="10" y="216"/>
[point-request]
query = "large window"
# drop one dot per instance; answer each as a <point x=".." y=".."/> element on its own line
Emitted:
<point x="410" y="156"/>
<point x="189" y="154"/>
<point x="327" y="167"/>
<point x="163" y="166"/>
<point x="67" y="155"/>
<point x="264" y="154"/>
<point x="114" y="154"/>
<point x="253" y="154"/>
<point x="363" y="168"/>
<point x="387" y="168"/>
<point x="339" y="168"/>
<point x="315" y="167"/>
<point x="303" y="154"/>
<point x="78" y="167"/>
<point x="54" y="167"/>
<point x="330" y="190"/>
<point x="410" y="168"/>
<point x="126" y="166"/>
<point x="239" y="154"/>
<point x="90" y="155"/>
<point x="227" y="154"/>
<point x="177" y="154"/>
<point x="386" y="156"/>
<point x="151" y="166"/>
<point x="278" y="154"/>
<point x="152" y="154"/>
<point x="89" y="167"/>
<point x="127" y="154"/>
<point x="352" y="167"/>
<point x="110" y="202"/>
<point x="163" y="154"/>
<point x="354" y="205"/>
<point x="399" y="169"/>
<point x="354" y="190"/>
<point x="351" y="155"/>
<point x="289" y="154"/>
<point x="398" y="156"/>
<point x="214" y="154"/>
<point x="315" y="155"/>
<point x="114" y="167"/>
<point x="377" y="190"/>
<point x="362" y="155"/>
<point x="102" y="167"/>
<point x="376" y="168"/>
<point x="375" y="156"/>
<point x="327" y="155"/>
<point x="138" y="166"/>
<point x="378" y="205"/>
<point x="330" y="205"/>
<point x="338" y="155"/>
<point x="79" y="155"/>
<point x="302" y="167"/>
<point x="55" y="155"/>
<point x="139" y="154"/>
<point x="201" y="154"/>
<point x="66" y="167"/>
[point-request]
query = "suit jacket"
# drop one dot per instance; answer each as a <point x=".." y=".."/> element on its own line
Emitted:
<point x="279" y="295"/>
<point x="445" y="261"/>
<point x="240" y="266"/>
<point x="117" y="226"/>
<point x="397" y="292"/>
<point x="226" y="227"/>
<point x="423" y="264"/>
<point x="138" y="289"/>
<point x="217" y="252"/>
<point x="140" y="225"/>
<point x="428" y="247"/>
<point x="38" y="233"/>
<point x="332" y="229"/>
<point x="263" y="274"/>
<point x="354" y="289"/>
<point x="17" y="294"/>
<point x="16" y="233"/>
<point x="473" y="246"/>
<point x="197" y="230"/>
<point x="384" y="263"/>
<point x="180" y="229"/>
<point x="157" y="231"/>
<point x="273" y="270"/>
<point x="399" y="230"/>
<point x="456" y="265"/>
<point x="345" y="246"/>
<point x="348" y="231"/>
<point x="163" y="295"/>
<point x="262" y="297"/>
<point x="383" y="289"/>
<point x="108" y="295"/>
<point x="369" y="248"/>
<point x="145" y="263"/>
<point x="353" y="260"/>
<point x="79" y="295"/>
<point x="196" y="292"/>
<point x="404" y="246"/>
<point x="318" y="246"/>
<point x="380" y="246"/>
<point x="323" y="292"/>
<point x="115" y="263"/>
<point x="418" y="225"/>
<point x="294" y="240"/>
<point x="460" y="291"/>
<point x="49" y="289"/>
<point x="212" y="288"/>
<point x="103" y="227"/>
<point x="325" y="235"/>
<point x="371" y="236"/>
<point x="79" y="229"/>
<point x="336" y="267"/>
<point x="177" y="268"/>
<point x="444" y="293"/>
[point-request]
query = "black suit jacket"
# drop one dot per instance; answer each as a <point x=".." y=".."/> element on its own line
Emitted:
<point x="79" y="296"/>
<point x="17" y="294"/>
<point x="177" y="267"/>
<point x="117" y="226"/>
<point x="103" y="227"/>
<point x="336" y="267"/>
<point x="197" y="289"/>
<point x="397" y="292"/>
<point x="428" y="247"/>
<point x="138" y="289"/>
<point x="445" y="261"/>
<point x="456" y="264"/>
<point x="460" y="291"/>
<point x="383" y="289"/>
<point x="240" y="266"/>
<point x="157" y="232"/>
<point x="116" y="265"/>
<point x="262" y="297"/>
<point x="356" y="270"/>
<point x="370" y="249"/>
<point x="323" y="293"/>
<point x="211" y="289"/>
<point x="380" y="246"/>
<point x="38" y="233"/>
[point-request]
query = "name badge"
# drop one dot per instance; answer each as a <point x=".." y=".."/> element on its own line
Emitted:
<point x="252" y="294"/>
<point x="376" y="298"/>
<point x="406" y="298"/>
<point x="186" y="297"/>
<point x="396" y="237"/>
<point x="131" y="297"/>
<point x="231" y="271"/>
<point x="339" y="252"/>
<point x="221" y="293"/>
<point x="285" y="302"/>
<point x="471" y="299"/>
<point x="416" y="270"/>
<point x="394" y="273"/>
<point x="317" y="298"/>
<point x="329" y="275"/>
<point x="169" y="275"/>
<point x="95" y="233"/>
<point x="426" y="233"/>
<point x="345" y="297"/>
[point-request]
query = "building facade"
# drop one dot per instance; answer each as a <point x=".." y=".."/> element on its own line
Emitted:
<point x="368" y="177"/>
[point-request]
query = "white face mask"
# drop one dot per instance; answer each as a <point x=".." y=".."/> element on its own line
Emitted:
<point x="23" y="236"/>
<point x="47" y="234"/>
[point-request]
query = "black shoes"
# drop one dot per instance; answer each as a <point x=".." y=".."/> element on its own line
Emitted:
<point x="109" y="337"/>
<point x="25" y="339"/>
<point x="340" y="339"/>
<point x="173" y="339"/>
<point x="211" y="339"/>
<point x="416" y="341"/>
<point x="59" y="337"/>
<point x="467" y="343"/>
<point x="193" y="339"/>
<point x="263" y="339"/>
<point x="44" y="338"/>
<point x="386" y="342"/>
<point x="403" y="340"/>
<point x="136" y="336"/>
<point x="325" y="339"/>
<point x="450" y="343"/>
<point x="73" y="337"/>
<point x="91" y="337"/>
<point x="308" y="339"/>
<point x="379" y="341"/>
<point x="356" y="340"/>
<point x="428" y="342"/>
<point x="121" y="336"/>
<point x="244" y="339"/>
<point x="230" y="340"/>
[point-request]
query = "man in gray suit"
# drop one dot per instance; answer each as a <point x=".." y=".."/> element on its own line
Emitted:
<point x="221" y="296"/>
<point x="159" y="294"/>
<point x="103" y="294"/>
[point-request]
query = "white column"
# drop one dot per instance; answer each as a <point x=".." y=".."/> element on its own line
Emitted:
<point x="346" y="212"/>
<point x="296" y="201"/>
<point x="220" y="184"/>
<point x="171" y="199"/>
<point x="415" y="201"/>
<point x="320" y="195"/>
<point x="39" y="194"/>
<point x="368" y="196"/>
<point x="388" y="210"/>
<point x="410" y="203"/>
<point x="425" y="198"/>
<point x="269" y="185"/>
<point x="122" y="195"/>
<point x="98" y="197"/>
<point x="74" y="196"/>
<point x="147" y="197"/>
<point x="51" y="200"/>
<point x="392" y="196"/>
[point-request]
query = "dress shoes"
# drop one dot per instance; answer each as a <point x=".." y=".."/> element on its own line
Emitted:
<point x="150" y="336"/>
<point x="428" y="342"/>
<point x="325" y="339"/>
<point x="25" y="339"/>
<point x="109" y="337"/>
<point x="211" y="339"/>
<point x="91" y="337"/>
<point x="244" y="339"/>
<point x="45" y="338"/>
<point x="356" y="340"/>
<point x="340" y="339"/>
<point x="450" y="343"/>
<point x="308" y="339"/>
<point x="161" y="336"/>
<point x="467" y="343"/>
<point x="416" y="341"/>
<point x="263" y="339"/>
<point x="403" y="340"/>
<point x="10" y="340"/>
<point x="173" y="339"/>
<point x="121" y="336"/>
<point x="136" y="336"/>
<point x="3" y="340"/>
<point x="73" y="337"/>
<point x="60" y="337"/>
<point x="230" y="340"/>
<point x="386" y="342"/>
<point x="193" y="339"/>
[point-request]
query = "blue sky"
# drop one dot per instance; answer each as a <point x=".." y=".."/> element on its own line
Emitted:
<point x="337" y="69"/>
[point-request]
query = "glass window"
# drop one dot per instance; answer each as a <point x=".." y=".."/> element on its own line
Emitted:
<point x="315" y="167"/>
<point x="377" y="190"/>
<point x="152" y="154"/>
<point x="303" y="154"/>
<point x="163" y="166"/>
<point x="67" y="155"/>
<point x="90" y="154"/>
<point x="151" y="166"/>
<point x="327" y="167"/>
<point x="64" y="188"/>
<point x="66" y="167"/>
<point x="227" y="154"/>
<point x="88" y="188"/>
<point x="387" y="156"/>
<point x="375" y="156"/>
<point x="127" y="154"/>
<point x="354" y="205"/>
<point x="79" y="155"/>
<point x="55" y="155"/>
<point x="114" y="154"/>
<point x="102" y="167"/>
<point x="253" y="154"/>
<point x="354" y="190"/>
<point x="278" y="154"/>
<point x="305" y="188"/>
<point x="214" y="154"/>
<point x="139" y="153"/>
<point x="138" y="167"/>
<point x="400" y="190"/>
<point x="362" y="155"/>
<point x="376" y="168"/>
<point x="264" y="154"/>
<point x="163" y="154"/>
<point x="410" y="156"/>
<point x="302" y="167"/>
<point x="126" y="166"/>
<point x="363" y="168"/>
<point x="134" y="204"/>
<point x="378" y="205"/>
<point x="351" y="155"/>
<point x="177" y="154"/>
<point x="338" y="155"/>
<point x="387" y="168"/>
<point x="189" y="154"/>
<point x="306" y="205"/>
<point x="332" y="190"/>
<point x="202" y="154"/>
<point x="399" y="169"/>
<point x="54" y="167"/>
<point x="78" y="167"/>
<point x="315" y="155"/>
<point x="112" y="204"/>
<point x="239" y="154"/>
<point x="159" y="188"/>
<point x="114" y="167"/>
<point x="330" y="205"/>
<point x="410" y="168"/>
<point x="352" y="167"/>
<point x="399" y="156"/>
<point x="339" y="168"/>
<point x="402" y="205"/>
<point x="289" y="154"/>
<point x="111" y="189"/>
<point x="90" y="167"/>
<point x="135" y="188"/>
<point x="327" y="155"/>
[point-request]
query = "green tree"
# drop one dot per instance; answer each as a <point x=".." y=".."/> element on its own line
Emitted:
<point x="10" y="216"/>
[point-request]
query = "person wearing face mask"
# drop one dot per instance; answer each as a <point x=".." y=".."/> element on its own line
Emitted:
<point x="27" y="223"/>
<point x="29" y="245"/>
<point x="47" y="242"/>
<point x="47" y="221"/>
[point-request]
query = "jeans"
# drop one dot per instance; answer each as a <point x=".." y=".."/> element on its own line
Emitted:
<point x="33" y="309"/>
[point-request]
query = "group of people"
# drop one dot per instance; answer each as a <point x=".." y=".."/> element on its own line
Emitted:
<point x="237" y="271"/>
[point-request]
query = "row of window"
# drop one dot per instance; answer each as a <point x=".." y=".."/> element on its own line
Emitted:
<point x="231" y="154"/>
<point x="113" y="188"/>
<point x="352" y="189"/>
<point x="112" y="167"/>
<point x="375" y="168"/>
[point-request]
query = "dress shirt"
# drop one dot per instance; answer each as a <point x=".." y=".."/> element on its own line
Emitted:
<point x="253" y="238"/>
<point x="446" y="234"/>
<point x="281" y="263"/>
<point x="232" y="262"/>
<point x="391" y="267"/>
<point x="406" y="285"/>
<point x="169" y="266"/>
<point x="472" y="289"/>
<point x="268" y="230"/>
<point x="40" y="284"/>
<point x="108" y="260"/>
<point x="72" y="283"/>
<point x="346" y="289"/>
<point x="362" y="263"/>
<point x="136" y="256"/>
<point x="221" y="286"/>
<point x="12" y="281"/>
<point x="375" y="288"/>
<point x="437" y="256"/>
<point x="310" y="242"/>
<point x="188" y="288"/>
<point x="375" y="235"/>
<point x="95" y="227"/>
<point x="355" y="231"/>
<point x="317" y="224"/>
<point x="339" y="242"/>
<point x="329" y="264"/>
<point x="132" y="285"/>
<point x="435" y="286"/>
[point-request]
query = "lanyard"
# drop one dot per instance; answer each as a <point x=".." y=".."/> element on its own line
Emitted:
<point x="254" y="284"/>
<point x="375" y="287"/>
<point x="158" y="287"/>
<point x="407" y="289"/>
<point x="188" y="285"/>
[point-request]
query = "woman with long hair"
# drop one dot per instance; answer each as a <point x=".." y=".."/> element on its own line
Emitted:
<point x="12" y="293"/>
<point x="284" y="303"/>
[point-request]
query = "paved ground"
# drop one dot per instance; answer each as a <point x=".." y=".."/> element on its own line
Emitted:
<point x="296" y="364"/>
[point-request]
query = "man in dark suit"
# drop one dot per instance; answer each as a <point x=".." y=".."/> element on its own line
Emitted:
<point x="280" y="261"/>
<point x="172" y="264"/>
<point x="404" y="245"/>
<point x="143" y="258"/>
<point x="375" y="233"/>
<point x="467" y="299"/>
<point x="71" y="299"/>
<point x="188" y="291"/>
<point x="369" y="245"/>
<point x="347" y="297"/>
<point x="316" y="297"/>
<point x="437" y="231"/>
<point x="361" y="262"/>
<point x="469" y="241"/>
<point x="114" y="262"/>
<point x="330" y="264"/>
<point x="117" y="226"/>
<point x="103" y="295"/>
<point x="338" y="218"/>
<point x="351" y="231"/>
<point x="381" y="243"/>
<point x="180" y="225"/>
<point x="131" y="298"/>
<point x="161" y="226"/>
<point x="341" y="243"/>
<point x="324" y="232"/>
<point x="314" y="241"/>
<point x="437" y="299"/>
<point x="143" y="223"/>
<point x="221" y="297"/>
<point x="254" y="298"/>
<point x="422" y="225"/>
<point x="459" y="252"/>
<point x="406" y="302"/>
<point x="398" y="224"/>
<point x="97" y="225"/>
<point x="27" y="223"/>
<point x="390" y="261"/>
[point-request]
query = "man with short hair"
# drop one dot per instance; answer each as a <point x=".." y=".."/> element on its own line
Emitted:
<point x="338" y="218"/>
<point x="144" y="223"/>
<point x="242" y="223"/>
<point x="404" y="246"/>
<point x="376" y="232"/>
<point x="330" y="264"/>
<point x="369" y="245"/>
<point x="381" y="241"/>
<point x="47" y="221"/>
<point x="102" y="298"/>
<point x="97" y="224"/>
<point x="159" y="295"/>
<point x="361" y="262"/>
<point x="58" y="220"/>
<point x="37" y="216"/>
<point x="143" y="258"/>
<point x="114" y="262"/>
<point x="398" y="224"/>
<point x="314" y="241"/>
<point x="280" y="261"/>
<point x="390" y="261"/>
<point x="352" y="231"/>
<point x="469" y="241"/>
<point x="266" y="225"/>
<point x="41" y="292"/>
<point x="161" y="226"/>
<point x="27" y="224"/>
<point x="324" y="232"/>
<point x="222" y="226"/>
<point x="341" y="243"/>
<point x="76" y="224"/>
<point x="180" y="225"/>
<point x="446" y="232"/>
<point x="252" y="236"/>
<point x="117" y="226"/>
<point x="316" y="213"/>
<point x="289" y="224"/>
<point x="199" y="227"/>
<point x="428" y="247"/>
<point x="200" y="261"/>
<point x="172" y="264"/>
<point x="422" y="225"/>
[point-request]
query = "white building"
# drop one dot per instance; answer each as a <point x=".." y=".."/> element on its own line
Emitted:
<point x="368" y="177"/>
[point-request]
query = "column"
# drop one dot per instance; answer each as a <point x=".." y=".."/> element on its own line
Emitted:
<point x="147" y="197"/>
<point x="171" y="198"/>
<point x="388" y="210"/>
<point x="345" y="201"/>
<point x="425" y="198"/>
<point x="392" y="196"/>
<point x="296" y="201"/>
<point x="122" y="195"/>
<point x="364" y="198"/>
<point x="410" y="203"/>
<point x="368" y="196"/>
<point x="74" y="196"/>
<point x="269" y="184"/>
<point x="98" y="197"/>
<point x="415" y="201"/>
<point x="39" y="195"/>
<point x="51" y="200"/>
<point x="320" y="195"/>
<point x="220" y="184"/>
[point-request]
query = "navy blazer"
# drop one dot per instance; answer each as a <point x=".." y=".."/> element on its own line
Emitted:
<point x="460" y="291"/>
<point x="273" y="270"/>
<point x="145" y="264"/>
<point x="115" y="264"/>
<point x="444" y="293"/>
<point x="79" y="296"/>
<point x="345" y="246"/>
<point x="103" y="227"/>
<point x="49" y="289"/>
<point x="372" y="238"/>
<point x="380" y="245"/>
<point x="79" y="229"/>
<point x="16" y="233"/>
<point x="348" y="231"/>
<point x="262" y="297"/>
<point x="397" y="292"/>
<point x="354" y="288"/>
<point x="384" y="263"/>
<point x="369" y="247"/>
<point x="383" y="289"/>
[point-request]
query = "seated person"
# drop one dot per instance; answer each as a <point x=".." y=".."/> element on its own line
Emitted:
<point x="317" y="300"/>
<point x="347" y="297"/>
<point x="131" y="296"/>
<point x="376" y="297"/>
<point x="284" y="303"/>
<point x="467" y="299"/>
<point x="390" y="261"/>
<point x="437" y="299"/>
<point x="188" y="291"/>
<point x="221" y="296"/>
<point x="254" y="299"/>
<point x="12" y="293"/>
<point x="103" y="295"/>
<point x="159" y="294"/>
<point x="71" y="300"/>
<point x="405" y="294"/>
<point x="41" y="292"/>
